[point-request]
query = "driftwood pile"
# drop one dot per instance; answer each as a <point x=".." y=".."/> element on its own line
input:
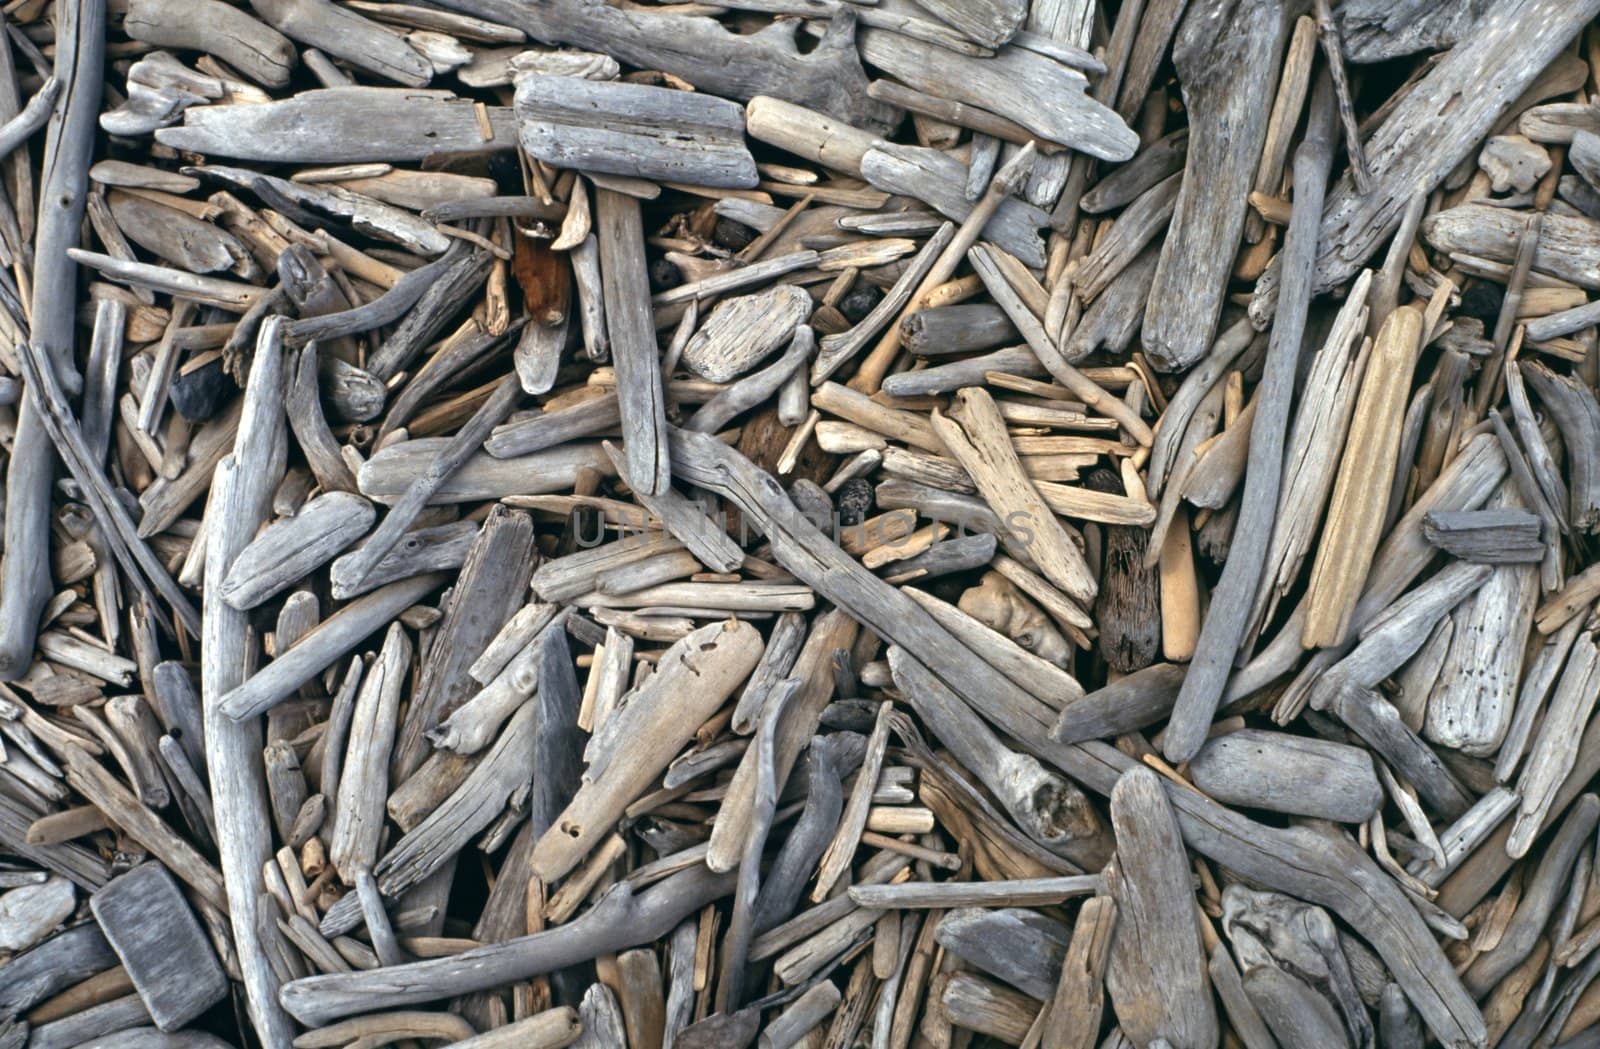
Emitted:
<point x="900" y="523"/>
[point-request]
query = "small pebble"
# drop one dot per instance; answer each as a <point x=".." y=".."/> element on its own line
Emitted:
<point x="859" y="302"/>
<point x="199" y="394"/>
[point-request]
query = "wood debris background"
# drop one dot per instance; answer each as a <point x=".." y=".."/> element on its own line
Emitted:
<point x="825" y="523"/>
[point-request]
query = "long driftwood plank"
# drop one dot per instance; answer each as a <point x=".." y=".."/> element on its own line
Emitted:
<point x="634" y="130"/>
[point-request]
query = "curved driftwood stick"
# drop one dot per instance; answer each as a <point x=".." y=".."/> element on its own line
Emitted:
<point x="255" y="49"/>
<point x="21" y="127"/>
<point x="621" y="919"/>
<point x="397" y="1025"/>
<point x="344" y="34"/>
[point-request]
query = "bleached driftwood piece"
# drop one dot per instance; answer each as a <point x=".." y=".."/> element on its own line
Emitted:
<point x="342" y="33"/>
<point x="1487" y="536"/>
<point x="1311" y="456"/>
<point x="1555" y="748"/>
<point x="1048" y="98"/>
<point x="364" y="775"/>
<point x="1470" y="708"/>
<point x="291" y="547"/>
<point x="255" y="49"/>
<point x="976" y="434"/>
<point x="1572" y="405"/>
<point x="633" y="340"/>
<point x="1284" y="773"/>
<point x="25" y="584"/>
<point x="827" y="78"/>
<point x="742" y="332"/>
<point x="634" y="130"/>
<point x="241" y="498"/>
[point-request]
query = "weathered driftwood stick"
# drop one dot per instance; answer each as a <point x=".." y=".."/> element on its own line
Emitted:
<point x="1033" y="892"/>
<point x="25" y="584"/>
<point x="342" y="33"/>
<point x="976" y="435"/>
<point x="1156" y="973"/>
<point x="1227" y="57"/>
<point x="255" y="49"/>
<point x="240" y="501"/>
<point x="1284" y="773"/>
<point x="634" y="130"/>
<point x="291" y="548"/>
<point x="324" y="646"/>
<point x="633" y="340"/>
<point x="1225" y="624"/>
<point x="364" y="774"/>
<point x="717" y="658"/>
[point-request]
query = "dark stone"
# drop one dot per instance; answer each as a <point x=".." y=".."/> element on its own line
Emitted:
<point x="732" y="235"/>
<point x="664" y="275"/>
<point x="859" y="302"/>
<point x="813" y="502"/>
<point x="854" y="501"/>
<point x="1482" y="300"/>
<point x="199" y="394"/>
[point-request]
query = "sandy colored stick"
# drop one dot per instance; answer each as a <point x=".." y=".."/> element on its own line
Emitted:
<point x="1361" y="493"/>
<point x="976" y="435"/>
<point x="690" y="683"/>
<point x="1180" y="592"/>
